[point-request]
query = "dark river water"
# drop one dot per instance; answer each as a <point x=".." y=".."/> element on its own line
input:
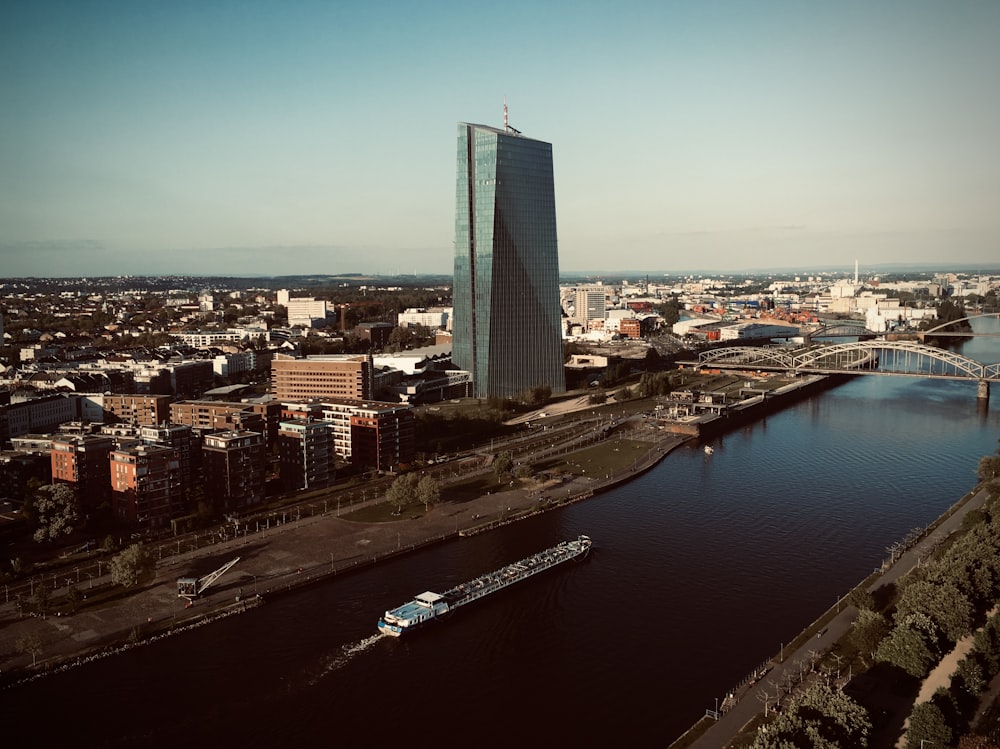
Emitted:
<point x="701" y="569"/>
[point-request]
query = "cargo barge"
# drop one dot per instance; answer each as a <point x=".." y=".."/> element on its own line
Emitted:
<point x="429" y="606"/>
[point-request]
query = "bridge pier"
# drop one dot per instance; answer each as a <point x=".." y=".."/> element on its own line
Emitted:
<point x="983" y="391"/>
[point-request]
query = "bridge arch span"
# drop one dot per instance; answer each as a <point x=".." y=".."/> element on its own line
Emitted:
<point x="861" y="357"/>
<point x="948" y="324"/>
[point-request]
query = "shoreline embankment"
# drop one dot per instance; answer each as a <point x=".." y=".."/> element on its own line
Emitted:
<point x="309" y="560"/>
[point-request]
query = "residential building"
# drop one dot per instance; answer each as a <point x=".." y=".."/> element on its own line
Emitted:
<point x="181" y="439"/>
<point x="191" y="378"/>
<point x="590" y="303"/>
<point x="377" y="333"/>
<point x="146" y="486"/>
<point x="306" y="311"/>
<point x="36" y="414"/>
<point x="209" y="416"/>
<point x="507" y="323"/>
<point x="228" y="365"/>
<point x="234" y="464"/>
<point x="143" y="410"/>
<point x="432" y="317"/>
<point x="382" y="436"/>
<point x="630" y="327"/>
<point x="322" y="377"/>
<point x="82" y="462"/>
<point x="18" y="467"/>
<point x="369" y="434"/>
<point x="305" y="452"/>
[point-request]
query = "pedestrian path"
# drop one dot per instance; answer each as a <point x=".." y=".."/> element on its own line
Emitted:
<point x="728" y="725"/>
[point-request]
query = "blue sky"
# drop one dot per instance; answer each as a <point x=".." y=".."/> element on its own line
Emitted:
<point x="319" y="137"/>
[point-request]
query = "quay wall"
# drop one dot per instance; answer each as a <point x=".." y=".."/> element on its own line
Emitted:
<point x="433" y="530"/>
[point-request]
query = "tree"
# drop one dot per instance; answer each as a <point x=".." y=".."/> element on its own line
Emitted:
<point x="654" y="383"/>
<point x="536" y="396"/>
<point x="502" y="465"/>
<point x="861" y="598"/>
<point x="989" y="467"/>
<point x="131" y="566"/>
<point x="869" y="629"/>
<point x="818" y="717"/>
<point x="971" y="675"/>
<point x="73" y="598"/>
<point x="57" y="512"/>
<point x="929" y="725"/>
<point x="42" y="599"/>
<point x="428" y="491"/>
<point x="30" y="644"/>
<point x="403" y="491"/>
<point x="943" y="602"/>
<point x="670" y="311"/>
<point x="907" y="648"/>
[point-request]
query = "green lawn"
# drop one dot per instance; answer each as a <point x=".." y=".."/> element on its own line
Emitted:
<point x="609" y="457"/>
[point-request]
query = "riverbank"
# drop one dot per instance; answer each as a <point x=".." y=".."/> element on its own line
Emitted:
<point x="274" y="561"/>
<point x="304" y="551"/>
<point x="745" y="702"/>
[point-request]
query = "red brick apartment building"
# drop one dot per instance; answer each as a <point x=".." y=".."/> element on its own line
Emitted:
<point x="146" y="485"/>
<point x="82" y="461"/>
<point x="382" y="436"/>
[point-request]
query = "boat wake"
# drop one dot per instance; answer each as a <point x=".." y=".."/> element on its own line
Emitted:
<point x="343" y="656"/>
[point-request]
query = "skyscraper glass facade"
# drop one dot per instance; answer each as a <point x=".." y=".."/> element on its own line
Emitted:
<point x="507" y="327"/>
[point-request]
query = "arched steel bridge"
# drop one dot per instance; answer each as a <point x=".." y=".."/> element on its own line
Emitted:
<point x="842" y="329"/>
<point x="878" y="357"/>
<point x="942" y="329"/>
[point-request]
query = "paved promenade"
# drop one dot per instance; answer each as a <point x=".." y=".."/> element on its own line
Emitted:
<point x="272" y="560"/>
<point x="721" y="732"/>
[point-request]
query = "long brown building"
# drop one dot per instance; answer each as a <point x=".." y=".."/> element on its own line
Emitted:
<point x="144" y="410"/>
<point x="217" y="415"/>
<point x="322" y="377"/>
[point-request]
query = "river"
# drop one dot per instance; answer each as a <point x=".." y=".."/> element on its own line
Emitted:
<point x="702" y="569"/>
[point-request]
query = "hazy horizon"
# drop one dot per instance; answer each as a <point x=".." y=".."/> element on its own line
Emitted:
<point x="318" y="138"/>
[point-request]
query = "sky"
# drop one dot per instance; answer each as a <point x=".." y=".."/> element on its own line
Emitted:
<point x="301" y="137"/>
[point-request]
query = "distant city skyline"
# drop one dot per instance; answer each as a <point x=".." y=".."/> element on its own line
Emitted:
<point x="318" y="138"/>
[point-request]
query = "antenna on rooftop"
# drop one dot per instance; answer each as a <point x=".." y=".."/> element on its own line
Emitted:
<point x="506" y="125"/>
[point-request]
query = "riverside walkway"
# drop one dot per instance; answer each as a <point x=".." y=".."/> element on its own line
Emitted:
<point x="723" y="731"/>
<point x="303" y="550"/>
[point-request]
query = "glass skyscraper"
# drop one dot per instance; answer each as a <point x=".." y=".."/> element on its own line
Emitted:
<point x="507" y="326"/>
